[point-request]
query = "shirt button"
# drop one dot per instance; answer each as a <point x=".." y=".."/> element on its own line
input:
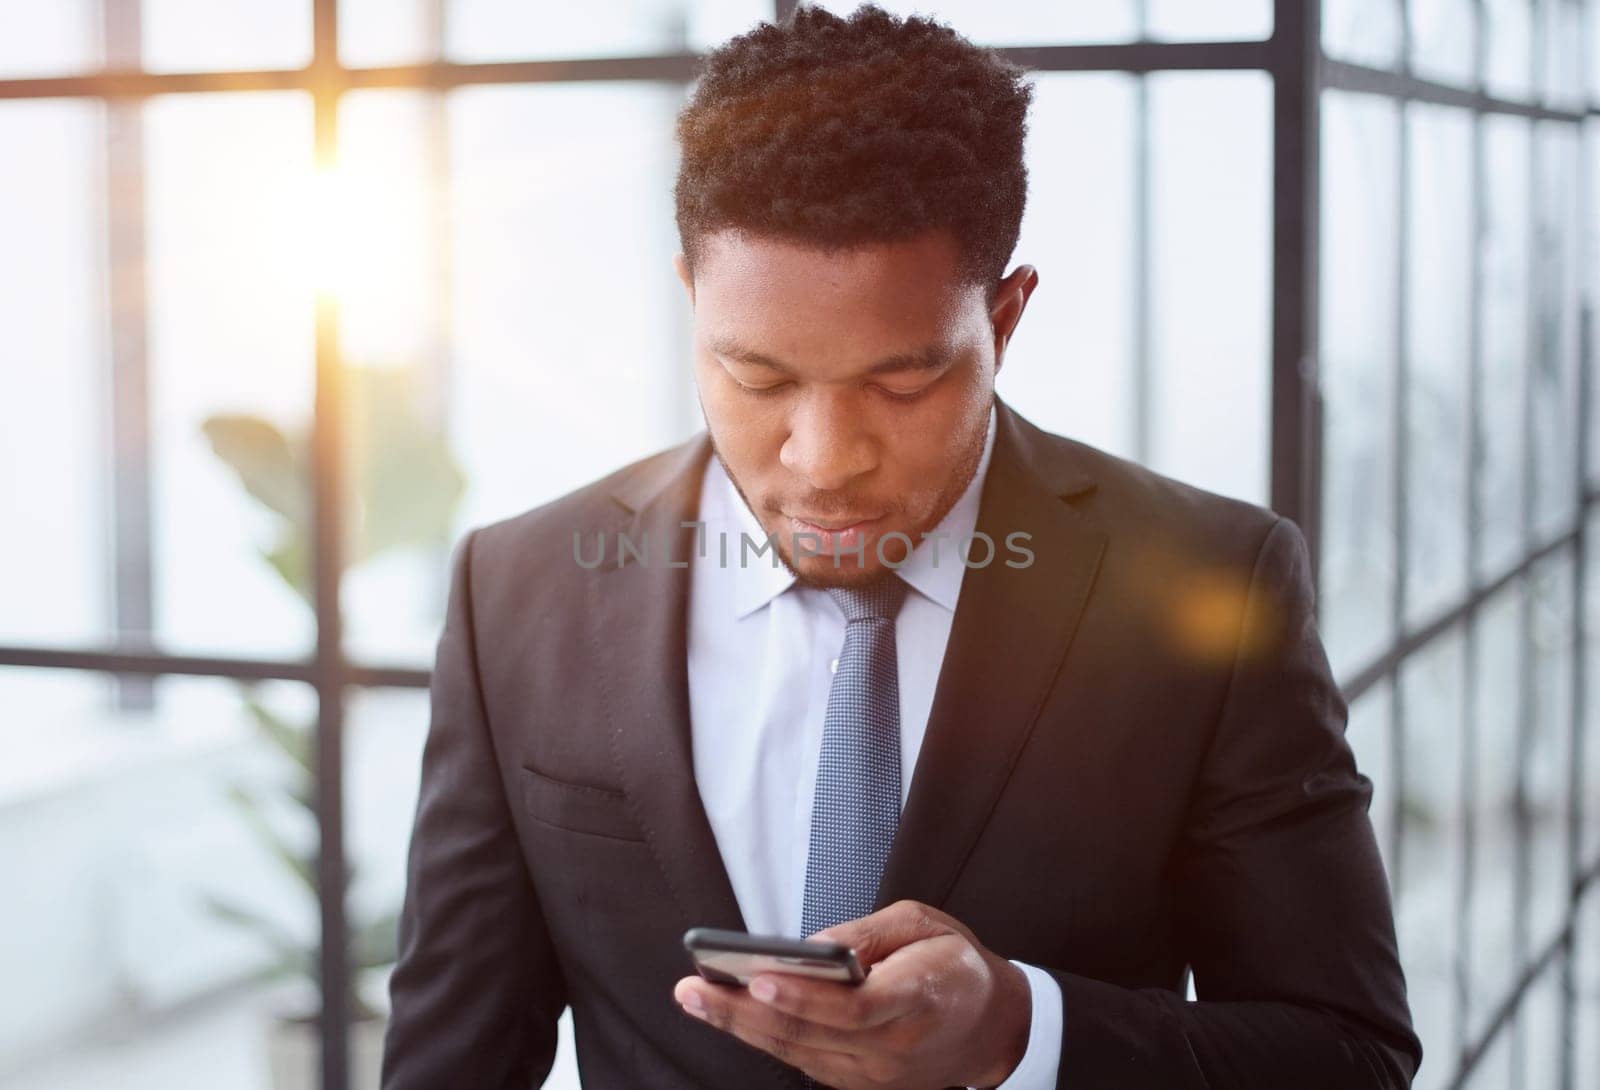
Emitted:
<point x="833" y="666"/>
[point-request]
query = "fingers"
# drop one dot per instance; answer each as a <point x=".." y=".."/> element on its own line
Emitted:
<point x="792" y="1039"/>
<point x="879" y="934"/>
<point x="883" y="997"/>
<point x="827" y="1028"/>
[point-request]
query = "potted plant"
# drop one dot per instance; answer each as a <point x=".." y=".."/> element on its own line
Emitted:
<point x="293" y="1044"/>
<point x="404" y="489"/>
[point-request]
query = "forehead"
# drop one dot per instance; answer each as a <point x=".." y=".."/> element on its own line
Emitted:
<point x="882" y="292"/>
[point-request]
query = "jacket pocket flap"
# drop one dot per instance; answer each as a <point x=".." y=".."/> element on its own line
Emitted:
<point x="578" y="807"/>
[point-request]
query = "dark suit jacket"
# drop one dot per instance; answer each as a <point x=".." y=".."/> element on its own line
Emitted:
<point x="1135" y="766"/>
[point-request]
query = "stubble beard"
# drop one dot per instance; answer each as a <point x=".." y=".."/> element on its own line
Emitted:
<point x="849" y="571"/>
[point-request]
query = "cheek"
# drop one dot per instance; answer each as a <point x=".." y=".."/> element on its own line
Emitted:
<point x="747" y="433"/>
<point x="932" y="442"/>
<point x="928" y="451"/>
<point x="724" y="409"/>
<point x="926" y="469"/>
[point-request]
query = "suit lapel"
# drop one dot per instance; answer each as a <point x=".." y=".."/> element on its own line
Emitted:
<point x="640" y="635"/>
<point x="1009" y="637"/>
<point x="640" y="615"/>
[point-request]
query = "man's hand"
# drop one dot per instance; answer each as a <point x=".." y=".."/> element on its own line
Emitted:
<point x="937" y="1008"/>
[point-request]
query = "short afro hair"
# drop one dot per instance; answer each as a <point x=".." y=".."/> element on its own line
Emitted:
<point x="838" y="132"/>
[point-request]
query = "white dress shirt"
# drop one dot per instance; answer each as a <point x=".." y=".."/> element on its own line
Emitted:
<point x="762" y="650"/>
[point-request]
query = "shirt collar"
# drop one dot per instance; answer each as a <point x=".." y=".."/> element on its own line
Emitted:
<point x="757" y="578"/>
<point x="937" y="574"/>
<point x="934" y="568"/>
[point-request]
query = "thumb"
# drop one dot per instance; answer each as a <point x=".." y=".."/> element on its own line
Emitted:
<point x="876" y="936"/>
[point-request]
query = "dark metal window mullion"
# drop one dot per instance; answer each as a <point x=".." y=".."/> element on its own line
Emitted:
<point x="1528" y="703"/>
<point x="652" y="68"/>
<point x="1588" y="288"/>
<point x="1140" y="312"/>
<point x="1578" y="633"/>
<point x="1295" y="63"/>
<point x="158" y="663"/>
<point x="1362" y="79"/>
<point x="439" y="358"/>
<point x="1471" y="720"/>
<point x="1577" y="866"/>
<point x="1400" y="470"/>
<point x="1588" y="296"/>
<point x="1143" y="380"/>
<point x="329" y="669"/>
<point x="1481" y="591"/>
<point x="132" y="590"/>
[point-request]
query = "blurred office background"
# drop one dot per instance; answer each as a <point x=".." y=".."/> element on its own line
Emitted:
<point x="1339" y="258"/>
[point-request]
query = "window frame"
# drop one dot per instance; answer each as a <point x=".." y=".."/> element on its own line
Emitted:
<point x="1292" y="57"/>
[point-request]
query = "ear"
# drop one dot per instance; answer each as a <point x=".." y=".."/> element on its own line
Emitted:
<point x="1010" y="299"/>
<point x="680" y="265"/>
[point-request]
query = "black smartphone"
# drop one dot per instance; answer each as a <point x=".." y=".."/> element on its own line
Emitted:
<point x="733" y="957"/>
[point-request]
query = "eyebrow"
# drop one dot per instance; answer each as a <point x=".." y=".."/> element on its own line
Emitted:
<point x="923" y="359"/>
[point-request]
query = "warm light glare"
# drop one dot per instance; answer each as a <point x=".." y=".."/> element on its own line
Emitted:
<point x="360" y="249"/>
<point x="333" y="214"/>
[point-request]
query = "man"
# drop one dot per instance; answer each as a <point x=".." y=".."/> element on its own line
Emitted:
<point x="1036" y="731"/>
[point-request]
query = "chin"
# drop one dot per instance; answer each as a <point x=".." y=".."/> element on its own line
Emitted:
<point x="820" y="571"/>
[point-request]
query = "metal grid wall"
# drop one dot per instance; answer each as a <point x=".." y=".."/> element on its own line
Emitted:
<point x="1470" y="1046"/>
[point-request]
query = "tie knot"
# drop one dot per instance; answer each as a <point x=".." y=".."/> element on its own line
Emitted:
<point x="877" y="600"/>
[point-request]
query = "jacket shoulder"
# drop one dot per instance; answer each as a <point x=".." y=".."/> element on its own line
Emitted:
<point x="1135" y="503"/>
<point x="602" y="504"/>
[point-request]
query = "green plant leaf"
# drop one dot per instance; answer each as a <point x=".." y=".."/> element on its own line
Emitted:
<point x="263" y="459"/>
<point x="291" y="559"/>
<point x="293" y="742"/>
<point x="406" y="480"/>
<point x="291" y="957"/>
<point x="404" y="485"/>
<point x="250" y="810"/>
<point x="305" y="796"/>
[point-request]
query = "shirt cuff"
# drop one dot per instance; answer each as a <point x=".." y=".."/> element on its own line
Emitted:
<point x="1042" y="1060"/>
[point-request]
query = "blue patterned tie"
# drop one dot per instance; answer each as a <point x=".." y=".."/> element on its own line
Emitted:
<point x="856" y="809"/>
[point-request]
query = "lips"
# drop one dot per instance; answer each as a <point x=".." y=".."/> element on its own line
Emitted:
<point x="834" y="524"/>
<point x="832" y="535"/>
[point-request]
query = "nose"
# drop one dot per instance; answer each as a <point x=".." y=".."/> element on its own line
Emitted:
<point x="828" y="444"/>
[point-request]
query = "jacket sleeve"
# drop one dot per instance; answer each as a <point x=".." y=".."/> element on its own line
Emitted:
<point x="477" y="991"/>
<point x="1283" y="903"/>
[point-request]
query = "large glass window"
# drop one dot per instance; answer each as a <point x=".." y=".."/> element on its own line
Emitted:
<point x="228" y="227"/>
<point x="54" y="579"/>
<point x="241" y="251"/>
<point x="1437" y="428"/>
<point x="1360" y="219"/>
<point x="152" y="857"/>
<point x="1458" y="401"/>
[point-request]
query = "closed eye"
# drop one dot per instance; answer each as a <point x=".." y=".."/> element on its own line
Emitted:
<point x="895" y="395"/>
<point x="762" y="391"/>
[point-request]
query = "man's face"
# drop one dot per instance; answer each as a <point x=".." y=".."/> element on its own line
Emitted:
<point x="847" y="394"/>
